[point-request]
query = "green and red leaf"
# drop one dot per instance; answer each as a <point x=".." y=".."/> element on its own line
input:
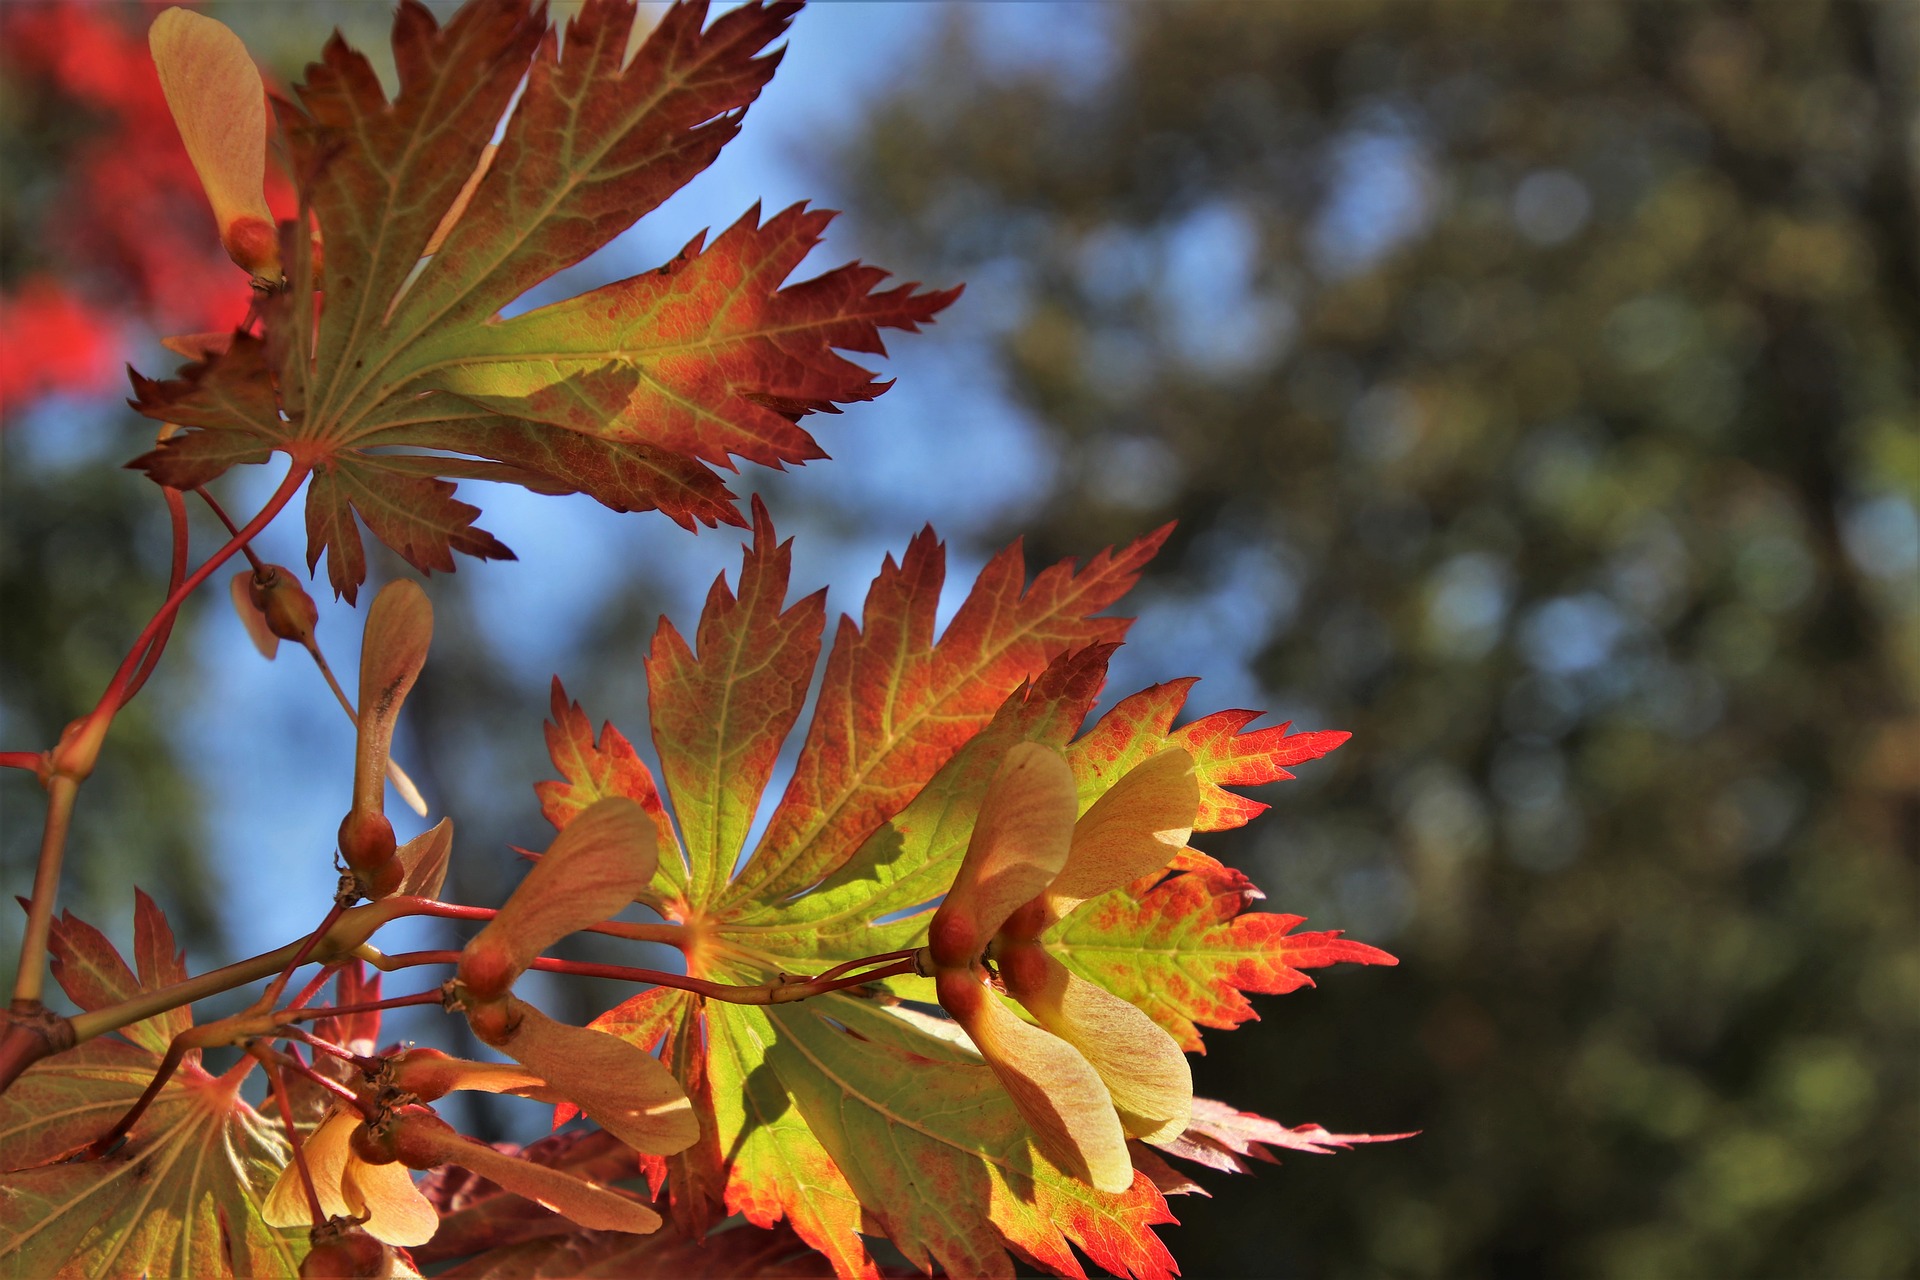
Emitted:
<point x="895" y="705"/>
<point x="1223" y="754"/>
<point x="182" y="1197"/>
<point x="1188" y="951"/>
<point x="720" y="717"/>
<point x="631" y="393"/>
<point x="850" y="1113"/>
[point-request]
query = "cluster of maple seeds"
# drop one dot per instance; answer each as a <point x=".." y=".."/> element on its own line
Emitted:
<point x="1088" y="1073"/>
<point x="1094" y="1072"/>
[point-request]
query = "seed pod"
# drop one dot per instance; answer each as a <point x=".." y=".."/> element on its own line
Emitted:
<point x="289" y="611"/>
<point x="366" y="840"/>
<point x="349" y="1254"/>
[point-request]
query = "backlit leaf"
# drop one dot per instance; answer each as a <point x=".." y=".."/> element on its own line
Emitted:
<point x="1222" y="1138"/>
<point x="1188" y="950"/>
<point x="632" y="393"/>
<point x="183" y="1195"/>
<point x="842" y="1115"/>
<point x="1223" y="756"/>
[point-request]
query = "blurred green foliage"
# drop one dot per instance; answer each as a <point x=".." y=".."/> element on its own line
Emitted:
<point x="1538" y="389"/>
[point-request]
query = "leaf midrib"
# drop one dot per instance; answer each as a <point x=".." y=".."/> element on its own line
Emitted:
<point x="511" y="246"/>
<point x="804" y="842"/>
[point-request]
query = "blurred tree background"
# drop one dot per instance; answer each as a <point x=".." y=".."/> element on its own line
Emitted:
<point x="1537" y="387"/>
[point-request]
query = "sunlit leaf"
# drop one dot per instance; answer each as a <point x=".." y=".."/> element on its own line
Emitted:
<point x="1188" y="950"/>
<point x="182" y="1196"/>
<point x="632" y="393"/>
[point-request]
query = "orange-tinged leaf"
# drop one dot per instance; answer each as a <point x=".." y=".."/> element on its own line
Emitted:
<point x="1187" y="951"/>
<point x="393" y="650"/>
<point x="623" y="1088"/>
<point x="593" y="868"/>
<point x="416" y="515"/>
<point x="182" y="1197"/>
<point x="89" y="969"/>
<point x="594" y="768"/>
<point x="895" y="706"/>
<point x="158" y="961"/>
<point x="858" y="1113"/>
<point x="1133" y="830"/>
<point x="1021" y="838"/>
<point x="219" y="105"/>
<point x="587" y="1203"/>
<point x="1144" y="1070"/>
<point x="1223" y="756"/>
<point x="914" y="856"/>
<point x="230" y="396"/>
<point x="922" y="719"/>
<point x="633" y="393"/>
<point x="204" y="1160"/>
<point x="709" y="357"/>
<point x="696" y="1177"/>
<point x="952" y="1174"/>
<point x="1056" y="1090"/>
<point x="776" y="1166"/>
<point x="719" y="717"/>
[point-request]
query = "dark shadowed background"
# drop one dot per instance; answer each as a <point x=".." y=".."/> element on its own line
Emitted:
<point x="1537" y="387"/>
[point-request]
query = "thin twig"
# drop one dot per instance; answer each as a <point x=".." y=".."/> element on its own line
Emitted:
<point x="176" y="574"/>
<point x="337" y="1011"/>
<point x="293" y="1136"/>
<point x="279" y="984"/>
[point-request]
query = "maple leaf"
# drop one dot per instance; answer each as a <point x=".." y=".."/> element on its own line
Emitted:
<point x="183" y="1196"/>
<point x="859" y="1111"/>
<point x="632" y="393"/>
<point x="1223" y="1138"/>
<point x="1185" y="953"/>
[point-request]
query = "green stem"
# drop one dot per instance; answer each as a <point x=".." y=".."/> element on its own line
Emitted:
<point x="30" y="981"/>
<point x="115" y="696"/>
<point x="349" y="931"/>
<point x="765" y="993"/>
<point x="73" y="759"/>
<point x="211" y="983"/>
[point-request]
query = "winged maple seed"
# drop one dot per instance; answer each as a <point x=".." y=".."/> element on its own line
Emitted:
<point x="220" y="106"/>
<point x="359" y="1167"/>
<point x="594" y="868"/>
<point x="393" y="650"/>
<point x="1101" y="1070"/>
<point x="632" y="393"/>
<point x="940" y="763"/>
